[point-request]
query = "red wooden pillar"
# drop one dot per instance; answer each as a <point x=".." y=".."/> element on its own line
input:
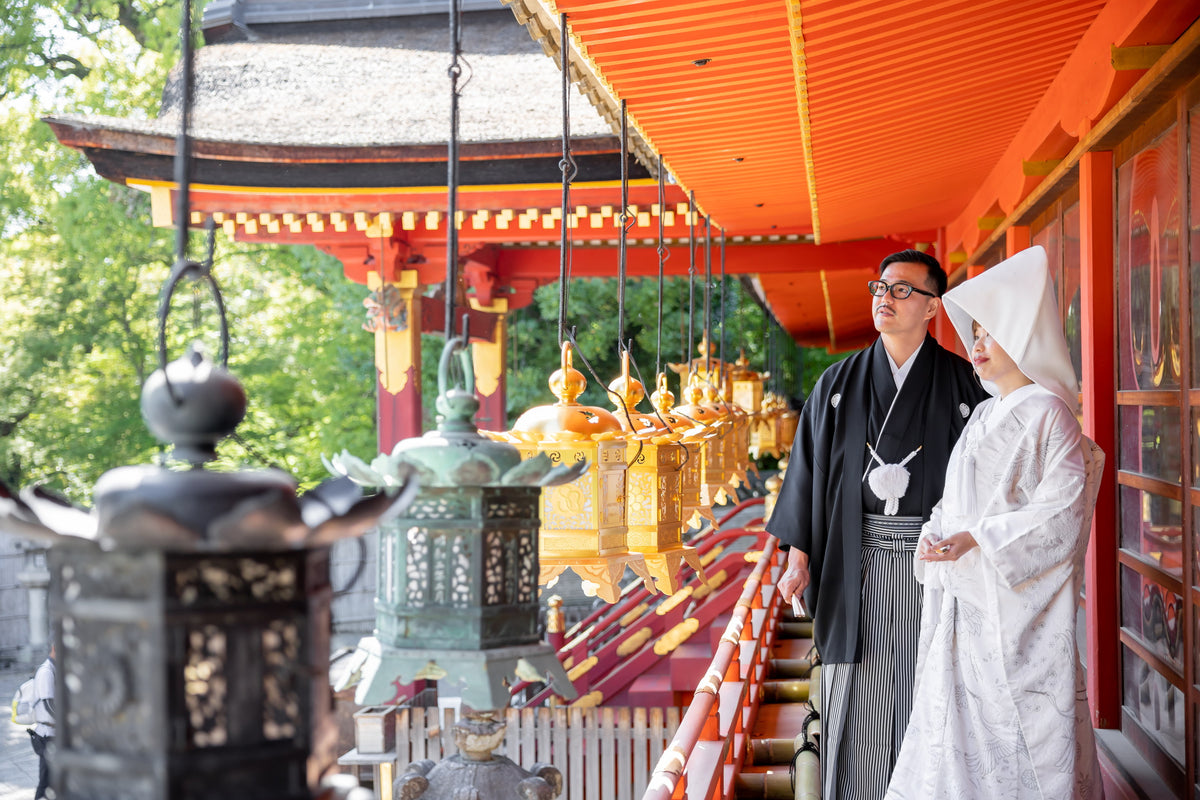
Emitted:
<point x="398" y="364"/>
<point x="942" y="330"/>
<point x="1097" y="314"/>
<point x="1016" y="239"/>
<point x="490" y="361"/>
<point x="394" y="318"/>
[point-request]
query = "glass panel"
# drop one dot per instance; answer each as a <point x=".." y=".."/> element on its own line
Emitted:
<point x="1148" y="220"/>
<point x="1069" y="303"/>
<point x="1155" y="703"/>
<point x="1150" y="442"/>
<point x="1154" y="613"/>
<point x="1196" y="748"/>
<point x="1194" y="231"/>
<point x="1049" y="238"/>
<point x="1195" y="437"/>
<point x="1195" y="549"/>
<point x="1151" y="525"/>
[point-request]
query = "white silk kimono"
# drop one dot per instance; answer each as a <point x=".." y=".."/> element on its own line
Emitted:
<point x="999" y="709"/>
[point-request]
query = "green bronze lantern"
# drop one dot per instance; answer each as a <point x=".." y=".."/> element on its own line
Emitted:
<point x="457" y="597"/>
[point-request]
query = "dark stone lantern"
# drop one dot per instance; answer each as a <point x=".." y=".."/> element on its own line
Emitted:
<point x="191" y="613"/>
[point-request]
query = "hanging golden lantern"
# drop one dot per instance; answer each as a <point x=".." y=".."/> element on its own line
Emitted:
<point x="747" y="385"/>
<point x="764" y="436"/>
<point x="583" y="522"/>
<point x="715" y="488"/>
<point x="737" y="441"/>
<point x="748" y="395"/>
<point x="788" y="420"/>
<point x="653" y="500"/>
<point x="695" y="440"/>
<point x="712" y="375"/>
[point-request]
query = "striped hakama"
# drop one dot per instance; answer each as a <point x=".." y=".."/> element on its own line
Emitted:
<point x="866" y="705"/>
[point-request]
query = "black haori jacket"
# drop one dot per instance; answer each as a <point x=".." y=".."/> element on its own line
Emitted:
<point x="824" y="493"/>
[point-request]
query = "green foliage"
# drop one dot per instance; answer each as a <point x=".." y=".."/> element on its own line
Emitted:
<point x="592" y="309"/>
<point x="81" y="270"/>
<point x="46" y="45"/>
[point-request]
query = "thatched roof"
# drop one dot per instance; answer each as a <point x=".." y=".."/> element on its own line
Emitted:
<point x="370" y="83"/>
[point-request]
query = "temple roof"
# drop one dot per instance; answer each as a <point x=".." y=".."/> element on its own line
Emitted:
<point x="379" y="82"/>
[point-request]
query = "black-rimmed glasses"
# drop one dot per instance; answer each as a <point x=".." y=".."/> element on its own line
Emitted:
<point x="898" y="290"/>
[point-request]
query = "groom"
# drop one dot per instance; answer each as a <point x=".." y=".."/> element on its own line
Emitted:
<point x="867" y="466"/>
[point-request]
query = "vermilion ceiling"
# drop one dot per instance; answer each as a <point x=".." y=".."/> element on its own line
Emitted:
<point x="860" y="119"/>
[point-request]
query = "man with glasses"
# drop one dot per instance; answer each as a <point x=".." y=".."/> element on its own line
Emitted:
<point x="867" y="466"/>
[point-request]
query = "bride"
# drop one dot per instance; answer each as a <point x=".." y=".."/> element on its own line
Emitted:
<point x="999" y="707"/>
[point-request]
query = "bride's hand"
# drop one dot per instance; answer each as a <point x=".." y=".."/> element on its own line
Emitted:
<point x="952" y="548"/>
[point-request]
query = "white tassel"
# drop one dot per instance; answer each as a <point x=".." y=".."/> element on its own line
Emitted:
<point x="890" y="481"/>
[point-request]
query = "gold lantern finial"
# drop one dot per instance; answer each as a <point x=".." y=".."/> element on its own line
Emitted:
<point x="566" y="382"/>
<point x="663" y="397"/>
<point x="630" y="392"/>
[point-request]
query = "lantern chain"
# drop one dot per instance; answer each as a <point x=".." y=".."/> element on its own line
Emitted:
<point x="708" y="300"/>
<point x="722" y="357"/>
<point x="622" y="243"/>
<point x="663" y="256"/>
<point x="569" y="169"/>
<point x="454" y="72"/>
<point x="200" y="271"/>
<point x="687" y="354"/>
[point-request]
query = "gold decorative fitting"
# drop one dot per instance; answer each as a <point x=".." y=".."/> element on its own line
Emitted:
<point x="668" y="605"/>
<point x="589" y="700"/>
<point x="581" y="669"/>
<point x="669" y="641"/>
<point x="633" y="643"/>
<point x="583" y="522"/>
<point x="633" y="613"/>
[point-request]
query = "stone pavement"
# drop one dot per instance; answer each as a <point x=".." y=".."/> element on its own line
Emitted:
<point x="18" y="764"/>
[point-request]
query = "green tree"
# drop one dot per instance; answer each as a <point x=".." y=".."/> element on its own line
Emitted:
<point x="81" y="270"/>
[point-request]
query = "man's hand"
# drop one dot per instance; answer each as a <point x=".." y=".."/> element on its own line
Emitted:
<point x="795" y="578"/>
<point x="952" y="548"/>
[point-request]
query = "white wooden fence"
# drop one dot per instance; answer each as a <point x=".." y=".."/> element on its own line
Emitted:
<point x="603" y="753"/>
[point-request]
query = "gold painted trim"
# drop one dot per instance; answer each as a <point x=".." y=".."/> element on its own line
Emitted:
<point x="828" y="311"/>
<point x="1137" y="57"/>
<point x="149" y="185"/>
<point x="800" y="67"/>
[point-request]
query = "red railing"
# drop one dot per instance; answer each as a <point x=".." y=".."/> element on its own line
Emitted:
<point x="710" y="745"/>
<point x="602" y="633"/>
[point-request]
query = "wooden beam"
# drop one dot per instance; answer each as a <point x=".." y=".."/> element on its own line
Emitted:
<point x="1168" y="74"/>
<point x="1097" y="316"/>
